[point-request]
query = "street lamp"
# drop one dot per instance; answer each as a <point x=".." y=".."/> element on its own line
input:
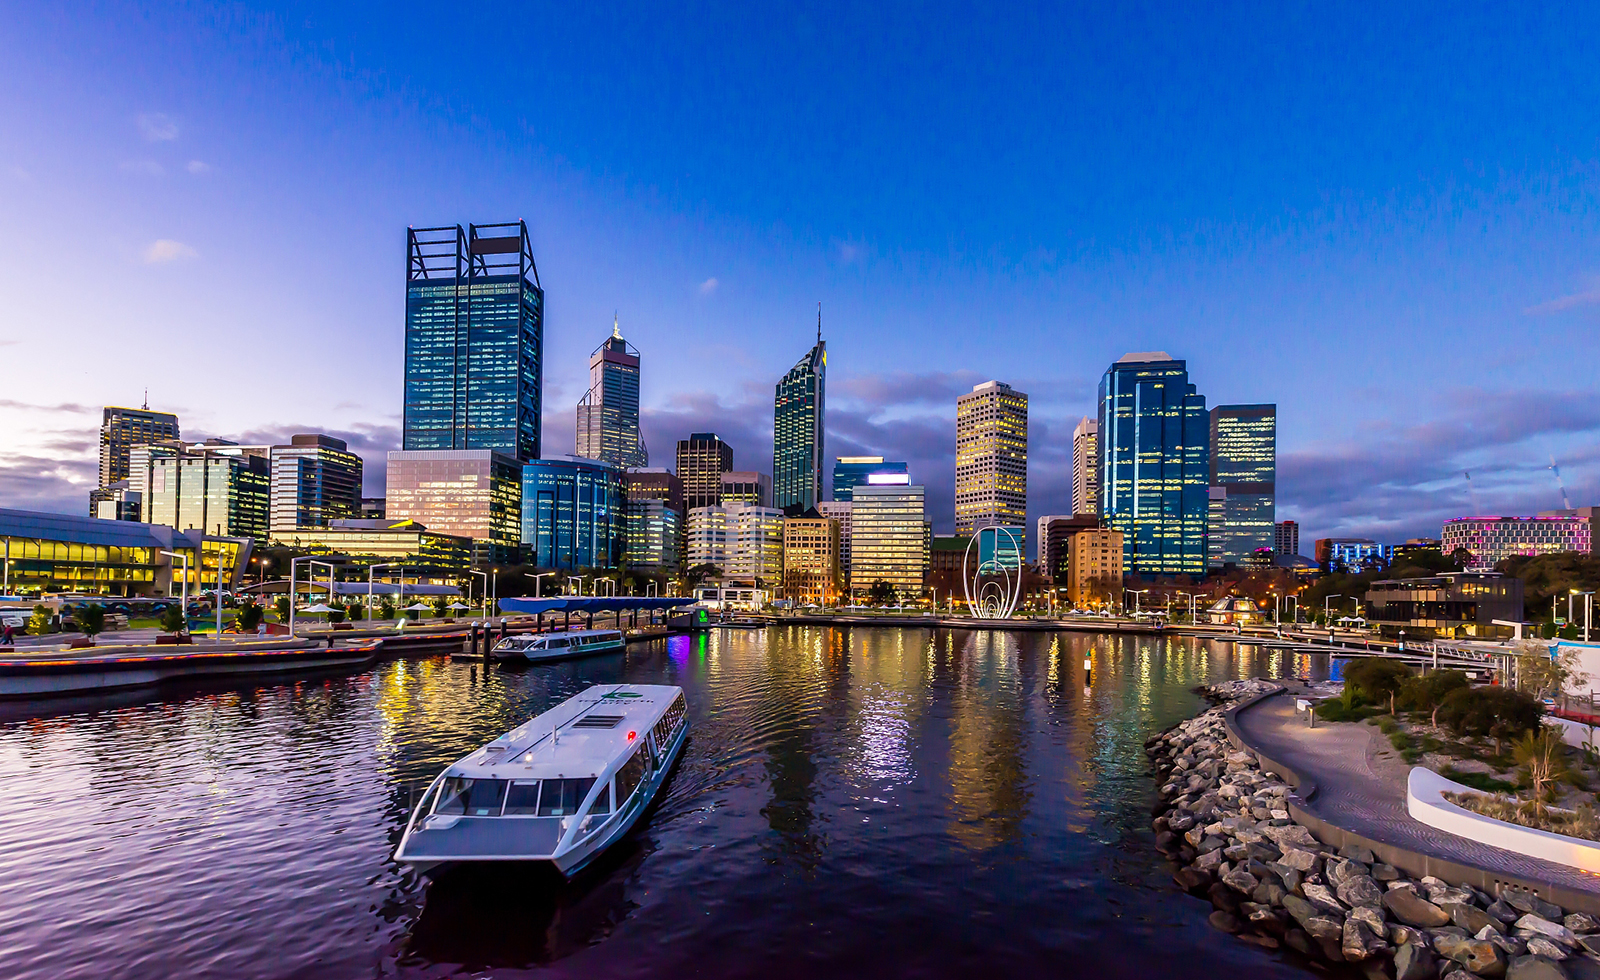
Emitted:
<point x="475" y="571"/>
<point x="293" y="562"/>
<point x="1588" y="612"/>
<point x="1191" y="596"/>
<point x="185" y="600"/>
<point x="1136" y="594"/>
<point x="536" y="583"/>
<point x="370" y="570"/>
<point x="1327" y="614"/>
<point x="494" y="591"/>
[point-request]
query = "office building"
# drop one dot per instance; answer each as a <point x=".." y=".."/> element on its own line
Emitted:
<point x="746" y="487"/>
<point x="888" y="538"/>
<point x="219" y="488"/>
<point x="702" y="459"/>
<point x="1054" y="538"/>
<point x="706" y="539"/>
<point x="1453" y="605"/>
<point x="1590" y="514"/>
<point x="1154" y="466"/>
<point x="1244" y="466"/>
<point x="474" y="354"/>
<point x="1286" y="538"/>
<point x="991" y="457"/>
<point x="316" y="480"/>
<point x="850" y="472"/>
<point x="839" y="512"/>
<point x="1086" y="467"/>
<point x="1492" y="539"/>
<point x="1351" y="554"/>
<point x="116" y="503"/>
<point x="467" y="493"/>
<point x="420" y="555"/>
<point x="1094" y="568"/>
<point x="655" y="483"/>
<point x="572" y="513"/>
<point x="373" y="508"/>
<point x="123" y="428"/>
<point x="743" y="541"/>
<point x="608" y="414"/>
<point x="653" y="533"/>
<point x="811" y="560"/>
<point x="797" y="430"/>
<point x="59" y="553"/>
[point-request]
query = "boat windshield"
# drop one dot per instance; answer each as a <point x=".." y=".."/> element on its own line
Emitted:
<point x="562" y="797"/>
<point x="471" y="797"/>
<point x="522" y="799"/>
<point x="556" y="641"/>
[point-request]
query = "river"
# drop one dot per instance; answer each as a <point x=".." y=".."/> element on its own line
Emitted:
<point x="852" y="802"/>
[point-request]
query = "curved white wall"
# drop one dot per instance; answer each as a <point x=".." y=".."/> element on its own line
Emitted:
<point x="1425" y="801"/>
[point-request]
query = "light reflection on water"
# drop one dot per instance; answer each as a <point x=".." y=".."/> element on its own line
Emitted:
<point x="937" y="803"/>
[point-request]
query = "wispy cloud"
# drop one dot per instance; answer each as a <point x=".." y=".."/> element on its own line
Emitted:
<point x="709" y="286"/>
<point x="157" y="127"/>
<point x="1564" y="303"/>
<point x="147" y="168"/>
<point x="197" y="167"/>
<point x="164" y="250"/>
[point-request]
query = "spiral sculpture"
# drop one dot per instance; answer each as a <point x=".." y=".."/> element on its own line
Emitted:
<point x="996" y="598"/>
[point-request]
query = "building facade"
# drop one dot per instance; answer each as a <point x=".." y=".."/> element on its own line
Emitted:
<point x="474" y="343"/>
<point x="608" y="414"/>
<point x="655" y="483"/>
<point x="1351" y="554"/>
<point x="421" y="555"/>
<point x="746" y="487"/>
<point x="654" y="535"/>
<point x="1095" y="568"/>
<point x="123" y="428"/>
<point x="702" y="459"/>
<point x="1286" y="538"/>
<point x="811" y="560"/>
<point x="850" y="472"/>
<point x="116" y="503"/>
<point x="1055" y="535"/>
<point x="1244" y="466"/>
<point x="469" y="493"/>
<point x="889" y="538"/>
<point x="222" y="490"/>
<point x="572" y="513"/>
<point x="991" y="457"/>
<point x="1492" y="539"/>
<point x="1451" y="605"/>
<point x="1086" y="467"/>
<point x="797" y="430"/>
<point x="62" y="553"/>
<point x="743" y="541"/>
<point x="316" y="480"/>
<point x="839" y="512"/>
<point x="1154" y="466"/>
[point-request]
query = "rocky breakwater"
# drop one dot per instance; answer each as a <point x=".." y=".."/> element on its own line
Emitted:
<point x="1227" y="825"/>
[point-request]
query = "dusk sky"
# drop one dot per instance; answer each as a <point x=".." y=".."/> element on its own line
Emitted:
<point x="1382" y="220"/>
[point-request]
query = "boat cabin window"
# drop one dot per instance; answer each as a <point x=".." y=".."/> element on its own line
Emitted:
<point x="629" y="777"/>
<point x="669" y="722"/>
<point x="523" y="797"/>
<point x="562" y="797"/>
<point x="555" y="641"/>
<point x="472" y="797"/>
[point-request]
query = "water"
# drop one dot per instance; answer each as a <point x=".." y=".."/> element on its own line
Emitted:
<point x="903" y="803"/>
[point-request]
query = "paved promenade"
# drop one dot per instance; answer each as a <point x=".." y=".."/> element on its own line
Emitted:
<point x="1361" y="787"/>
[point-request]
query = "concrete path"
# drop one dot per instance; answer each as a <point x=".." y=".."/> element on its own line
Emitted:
<point x="1361" y="786"/>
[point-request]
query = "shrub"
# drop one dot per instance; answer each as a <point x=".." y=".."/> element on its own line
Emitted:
<point x="1427" y="692"/>
<point x="281" y="606"/>
<point x="91" y="619"/>
<point x="1376" y="679"/>
<point x="249" y="617"/>
<point x="39" y="622"/>
<point x="337" y="614"/>
<point x="1477" y="780"/>
<point x="1400" y="740"/>
<point x="440" y="606"/>
<point x="353" y="610"/>
<point x="1497" y="712"/>
<point x="1388" y="725"/>
<point x="386" y="608"/>
<point x="173" y="620"/>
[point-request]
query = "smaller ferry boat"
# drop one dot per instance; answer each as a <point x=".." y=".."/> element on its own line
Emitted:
<point x="558" y="789"/>
<point x="556" y="646"/>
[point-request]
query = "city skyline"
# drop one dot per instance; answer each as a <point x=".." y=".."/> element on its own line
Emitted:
<point x="1316" y="261"/>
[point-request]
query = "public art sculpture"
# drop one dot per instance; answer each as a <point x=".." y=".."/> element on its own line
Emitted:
<point x="994" y="585"/>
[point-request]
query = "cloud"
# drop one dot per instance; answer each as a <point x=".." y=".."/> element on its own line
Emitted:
<point x="164" y="250"/>
<point x="147" y="168"/>
<point x="887" y="390"/>
<point x="47" y="483"/>
<point x="67" y="407"/>
<point x="372" y="441"/>
<point x="197" y="167"/>
<point x="709" y="286"/>
<point x="158" y="127"/>
<point x="1564" y="303"/>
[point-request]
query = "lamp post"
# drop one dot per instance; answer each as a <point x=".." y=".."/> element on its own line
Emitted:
<point x="185" y="599"/>
<point x="293" y="562"/>
<point x="1588" y="613"/>
<point x="1327" y="614"/>
<point x="494" y="591"/>
<point x="536" y="583"/>
<point x="1191" y="596"/>
<point x="374" y="568"/>
<point x="578" y="579"/>
<point x="475" y="571"/>
<point x="1136" y="594"/>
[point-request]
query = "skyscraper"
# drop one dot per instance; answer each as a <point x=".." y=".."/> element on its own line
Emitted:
<point x="850" y="472"/>
<point x="1154" y="466"/>
<point x="572" y="513"/>
<point x="889" y="539"/>
<point x="316" y="480"/>
<point x="702" y="459"/>
<point x="797" y="430"/>
<point x="1286" y="538"/>
<point x="608" y="414"/>
<point x="474" y="356"/>
<point x="1086" y="467"/>
<point x="991" y="457"/>
<point x="1244" y="466"/>
<point x="470" y="493"/>
<point x="123" y="428"/>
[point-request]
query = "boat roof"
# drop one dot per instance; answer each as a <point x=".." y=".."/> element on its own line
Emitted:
<point x="592" y="734"/>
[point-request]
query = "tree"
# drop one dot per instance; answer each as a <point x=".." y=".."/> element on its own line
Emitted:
<point x="699" y="573"/>
<point x="440" y="606"/>
<point x="249" y="617"/>
<point x="39" y="622"/>
<point x="1544" y="674"/>
<point x="1427" y="693"/>
<point x="281" y="606"/>
<point x="354" y="610"/>
<point x="386" y="608"/>
<point x="91" y="619"/>
<point x="881" y="593"/>
<point x="173" y="620"/>
<point x="1542" y="757"/>
<point x="336" y="615"/>
<point x="1497" y="712"/>
<point x="1376" y="679"/>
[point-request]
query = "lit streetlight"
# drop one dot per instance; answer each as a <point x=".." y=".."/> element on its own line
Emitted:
<point x="184" y="601"/>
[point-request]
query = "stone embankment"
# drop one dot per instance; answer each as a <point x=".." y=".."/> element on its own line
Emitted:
<point x="1227" y="824"/>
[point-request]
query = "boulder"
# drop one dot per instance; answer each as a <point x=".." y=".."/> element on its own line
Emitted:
<point x="1223" y="897"/>
<point x="1414" y="910"/>
<point x="1299" y="941"/>
<point x="1373" y="918"/>
<point x="1534" y="968"/>
<point x="1211" y="843"/>
<point x="1269" y="893"/>
<point x="1166" y="840"/>
<point x="1298" y="907"/>
<point x="1338" y="870"/>
<point x="1539" y="925"/>
<point x="1511" y="945"/>
<point x="1190" y="879"/>
<point x="1399" y="935"/>
<point x="1300" y="860"/>
<point x="1526" y="901"/>
<point x="1321" y="897"/>
<point x="1358" y="941"/>
<point x="1540" y="946"/>
<point x="1581" y="922"/>
<point x="1236" y="852"/>
<point x="1360" y="890"/>
<point x="1293" y="835"/>
<point x="1503" y="911"/>
<point x="1225" y="921"/>
<point x="1356" y="852"/>
<point x="1472" y="918"/>
<point x="1385" y="873"/>
<point x="1590" y="944"/>
<point x="1414" y="961"/>
<point x="1242" y="882"/>
<point x="1266" y="942"/>
<point x="1480" y="957"/>
<point x="1325" y="929"/>
<point x="1209" y="862"/>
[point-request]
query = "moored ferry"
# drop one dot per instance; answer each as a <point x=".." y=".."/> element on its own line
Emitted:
<point x="558" y="789"/>
<point x="558" y="646"/>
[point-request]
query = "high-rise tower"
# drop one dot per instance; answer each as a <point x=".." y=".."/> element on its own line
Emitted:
<point x="123" y="428"/>
<point x="474" y="340"/>
<point x="608" y="414"/>
<point x="1086" y="467"/>
<point x="702" y="459"/>
<point x="1244" y="467"/>
<point x="1154" y="466"/>
<point x="991" y="458"/>
<point x="797" y="429"/>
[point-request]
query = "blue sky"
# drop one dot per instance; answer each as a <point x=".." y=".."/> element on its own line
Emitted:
<point x="1381" y="219"/>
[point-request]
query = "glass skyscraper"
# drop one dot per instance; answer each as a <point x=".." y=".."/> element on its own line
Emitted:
<point x="316" y="480"/>
<point x="850" y="472"/>
<point x="572" y="513"/>
<point x="608" y="414"/>
<point x="474" y="340"/>
<point x="1244" y="468"/>
<point x="797" y="427"/>
<point x="1154" y="464"/>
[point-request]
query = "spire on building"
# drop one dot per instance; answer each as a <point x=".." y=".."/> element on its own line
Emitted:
<point x="616" y="332"/>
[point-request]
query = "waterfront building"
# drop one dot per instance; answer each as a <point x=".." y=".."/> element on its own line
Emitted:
<point x="123" y="428"/>
<point x="316" y="480"/>
<point x="1154" y="470"/>
<point x="1351" y="554"/>
<point x="707" y="540"/>
<point x="1055" y="535"/>
<point x="468" y="493"/>
<point x="1095" y="568"/>
<point x="655" y="483"/>
<point x="1491" y="539"/>
<point x="60" y="553"/>
<point x="702" y="459"/>
<point x="572" y="513"/>
<point x="1244" y="466"/>
<point x="608" y="414"/>
<point x="654" y="534"/>
<point x="839" y="512"/>
<point x="743" y="541"/>
<point x="850" y="472"/>
<point x="1086" y="467"/>
<point x="116" y="503"/>
<point x="1451" y="605"/>
<point x="420" y="554"/>
<point x="474" y="342"/>
<point x="991" y="457"/>
<point x="889" y="538"/>
<point x="811" y="560"/>
<point x="746" y="487"/>
<point x="1286" y="538"/>
<point x="797" y="430"/>
<point x="219" y="488"/>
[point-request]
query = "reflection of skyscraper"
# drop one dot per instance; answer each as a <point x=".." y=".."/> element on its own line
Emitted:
<point x="797" y="424"/>
<point x="988" y="775"/>
<point x="608" y="415"/>
<point x="1244" y="466"/>
<point x="991" y="457"/>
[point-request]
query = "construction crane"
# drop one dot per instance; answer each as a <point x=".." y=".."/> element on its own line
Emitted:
<point x="1565" y="502"/>
<point x="1471" y="492"/>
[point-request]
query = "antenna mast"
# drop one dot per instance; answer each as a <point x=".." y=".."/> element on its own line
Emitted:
<point x="819" y="321"/>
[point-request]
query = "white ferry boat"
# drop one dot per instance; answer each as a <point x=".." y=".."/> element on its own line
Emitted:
<point x="558" y="789"/>
<point x="557" y="646"/>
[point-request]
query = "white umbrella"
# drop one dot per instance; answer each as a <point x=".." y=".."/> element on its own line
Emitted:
<point x="318" y="608"/>
<point x="418" y="607"/>
<point x="457" y="605"/>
